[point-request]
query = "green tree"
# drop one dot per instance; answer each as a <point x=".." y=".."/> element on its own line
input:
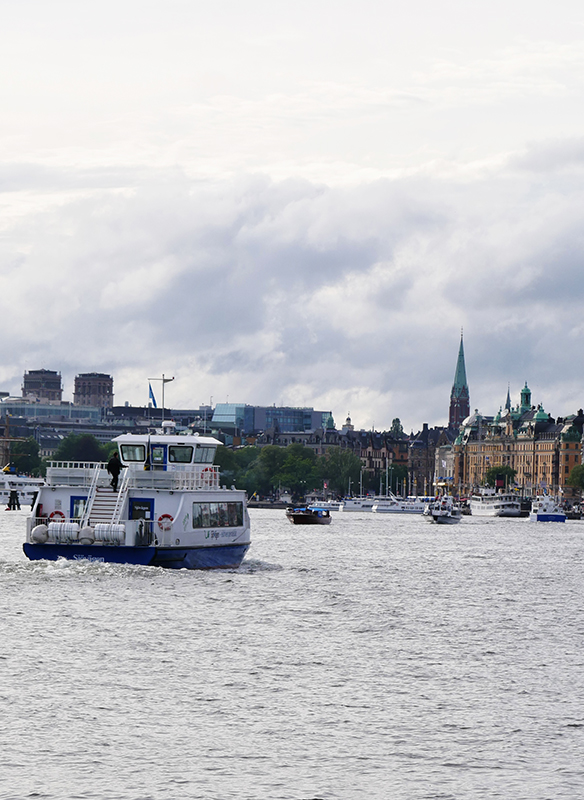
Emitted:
<point x="237" y="467"/>
<point x="576" y="477"/>
<point x="337" y="467"/>
<point x="225" y="460"/>
<point x="299" y="470"/>
<point x="396" y="429"/>
<point x="25" y="456"/>
<point x="507" y="474"/>
<point x="82" y="447"/>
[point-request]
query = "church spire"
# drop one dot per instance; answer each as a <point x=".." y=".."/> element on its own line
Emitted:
<point x="508" y="401"/>
<point x="459" y="396"/>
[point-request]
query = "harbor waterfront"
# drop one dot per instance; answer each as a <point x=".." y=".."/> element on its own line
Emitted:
<point x="376" y="657"/>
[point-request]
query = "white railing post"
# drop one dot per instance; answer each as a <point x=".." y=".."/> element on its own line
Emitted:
<point x="121" y="497"/>
<point x="90" y="497"/>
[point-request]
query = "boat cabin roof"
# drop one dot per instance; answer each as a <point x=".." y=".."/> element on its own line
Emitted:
<point x="161" y="438"/>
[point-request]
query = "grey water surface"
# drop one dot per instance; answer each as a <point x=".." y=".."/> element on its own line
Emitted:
<point x="378" y="657"/>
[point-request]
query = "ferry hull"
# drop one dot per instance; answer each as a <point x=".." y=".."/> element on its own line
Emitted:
<point x="224" y="557"/>
<point x="543" y="517"/>
<point x="477" y="511"/>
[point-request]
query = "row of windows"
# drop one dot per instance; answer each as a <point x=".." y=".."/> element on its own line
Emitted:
<point x="217" y="515"/>
<point x="177" y="454"/>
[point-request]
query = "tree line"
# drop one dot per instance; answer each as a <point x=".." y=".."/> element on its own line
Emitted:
<point x="266" y="471"/>
<point x="25" y="455"/>
<point x="263" y="472"/>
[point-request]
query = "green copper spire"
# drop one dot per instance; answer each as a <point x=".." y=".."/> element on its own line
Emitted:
<point x="460" y="374"/>
<point x="459" y="396"/>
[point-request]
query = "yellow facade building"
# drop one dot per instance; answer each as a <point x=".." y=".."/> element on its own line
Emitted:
<point x="541" y="450"/>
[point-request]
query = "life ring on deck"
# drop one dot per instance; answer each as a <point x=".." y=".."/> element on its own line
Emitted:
<point x="207" y="479"/>
<point x="56" y="515"/>
<point x="165" y="522"/>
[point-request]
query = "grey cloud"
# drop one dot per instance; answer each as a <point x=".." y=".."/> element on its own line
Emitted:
<point x="297" y="289"/>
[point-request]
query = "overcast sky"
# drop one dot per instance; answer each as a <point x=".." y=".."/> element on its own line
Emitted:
<point x="298" y="203"/>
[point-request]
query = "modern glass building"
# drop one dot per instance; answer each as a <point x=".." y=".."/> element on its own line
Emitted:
<point x="14" y="407"/>
<point x="254" y="419"/>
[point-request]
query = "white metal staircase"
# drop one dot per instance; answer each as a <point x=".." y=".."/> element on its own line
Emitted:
<point x="103" y="506"/>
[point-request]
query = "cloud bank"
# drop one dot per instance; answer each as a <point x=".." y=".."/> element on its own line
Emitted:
<point x="265" y="291"/>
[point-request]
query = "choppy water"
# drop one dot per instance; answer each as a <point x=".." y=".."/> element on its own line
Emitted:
<point x="379" y="657"/>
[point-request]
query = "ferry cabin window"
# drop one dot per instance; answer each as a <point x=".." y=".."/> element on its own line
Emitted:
<point x="204" y="454"/>
<point x="179" y="454"/>
<point x="217" y="515"/>
<point x="133" y="452"/>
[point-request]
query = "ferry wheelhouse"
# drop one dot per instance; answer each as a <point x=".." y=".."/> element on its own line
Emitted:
<point x="169" y="510"/>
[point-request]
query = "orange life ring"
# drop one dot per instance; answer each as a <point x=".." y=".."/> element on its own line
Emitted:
<point x="54" y="514"/>
<point x="165" y="522"/>
<point x="207" y="479"/>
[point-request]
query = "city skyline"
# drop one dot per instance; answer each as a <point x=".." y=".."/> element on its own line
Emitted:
<point x="296" y="204"/>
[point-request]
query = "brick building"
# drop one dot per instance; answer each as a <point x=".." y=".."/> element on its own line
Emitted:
<point x="94" y="389"/>
<point x="43" y="385"/>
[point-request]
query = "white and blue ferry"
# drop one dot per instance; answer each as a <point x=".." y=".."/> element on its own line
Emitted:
<point x="168" y="511"/>
<point x="546" y="509"/>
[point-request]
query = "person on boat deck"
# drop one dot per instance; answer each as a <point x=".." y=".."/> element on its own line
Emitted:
<point x="114" y="467"/>
<point x="13" y="501"/>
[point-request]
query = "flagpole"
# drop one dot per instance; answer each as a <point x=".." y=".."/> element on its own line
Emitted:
<point x="164" y="380"/>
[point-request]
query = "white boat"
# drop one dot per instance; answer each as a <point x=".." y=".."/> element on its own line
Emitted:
<point x="330" y="505"/>
<point x="400" y="505"/>
<point x="357" y="504"/>
<point x="170" y="510"/>
<point x="546" y="509"/>
<point x="443" y="511"/>
<point x="489" y="503"/>
<point x="26" y="488"/>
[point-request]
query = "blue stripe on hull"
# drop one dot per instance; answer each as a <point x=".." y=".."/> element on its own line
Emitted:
<point x="225" y="557"/>
<point x="77" y="552"/>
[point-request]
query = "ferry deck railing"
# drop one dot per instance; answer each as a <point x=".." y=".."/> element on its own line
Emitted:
<point x="177" y="478"/>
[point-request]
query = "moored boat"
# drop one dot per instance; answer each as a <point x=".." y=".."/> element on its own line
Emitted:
<point x="309" y="515"/>
<point x="330" y="505"/>
<point x="489" y="503"/>
<point x="16" y="489"/>
<point x="546" y="509"/>
<point x="400" y="505"/>
<point x="170" y="509"/>
<point x="357" y="504"/>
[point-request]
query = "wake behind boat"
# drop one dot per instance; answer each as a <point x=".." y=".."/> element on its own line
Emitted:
<point x="170" y="510"/>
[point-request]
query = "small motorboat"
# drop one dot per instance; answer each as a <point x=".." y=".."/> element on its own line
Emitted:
<point x="308" y="516"/>
<point x="443" y="510"/>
